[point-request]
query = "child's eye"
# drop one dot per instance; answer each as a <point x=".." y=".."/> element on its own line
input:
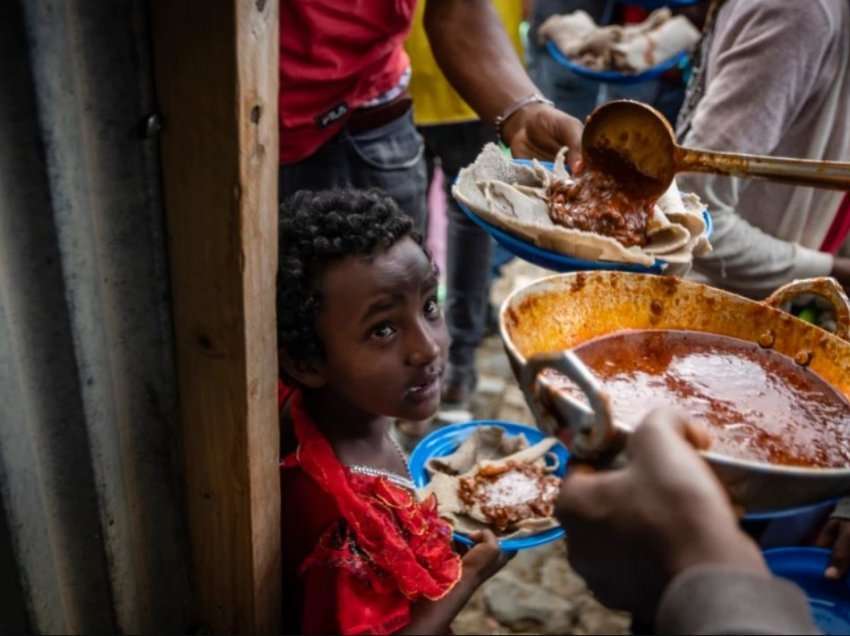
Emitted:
<point x="432" y="308"/>
<point x="383" y="331"/>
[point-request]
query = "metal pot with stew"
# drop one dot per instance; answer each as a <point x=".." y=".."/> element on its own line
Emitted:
<point x="772" y="389"/>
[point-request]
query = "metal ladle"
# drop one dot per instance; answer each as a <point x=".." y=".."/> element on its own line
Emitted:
<point x="592" y="435"/>
<point x="634" y="143"/>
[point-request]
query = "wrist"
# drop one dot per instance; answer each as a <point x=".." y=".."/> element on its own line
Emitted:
<point x="714" y="547"/>
<point x="518" y="120"/>
<point x="470" y="576"/>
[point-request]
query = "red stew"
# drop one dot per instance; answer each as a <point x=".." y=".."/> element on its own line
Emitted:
<point x="759" y="404"/>
<point x="510" y="493"/>
<point x="595" y="202"/>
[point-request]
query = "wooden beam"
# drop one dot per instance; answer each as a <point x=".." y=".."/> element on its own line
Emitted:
<point x="216" y="79"/>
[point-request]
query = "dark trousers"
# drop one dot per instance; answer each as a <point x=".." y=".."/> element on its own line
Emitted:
<point x="390" y="157"/>
<point x="468" y="247"/>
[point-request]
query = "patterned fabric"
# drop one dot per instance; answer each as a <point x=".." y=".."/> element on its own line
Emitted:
<point x="385" y="550"/>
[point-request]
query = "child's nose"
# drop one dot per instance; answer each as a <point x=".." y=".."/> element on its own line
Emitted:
<point x="424" y="346"/>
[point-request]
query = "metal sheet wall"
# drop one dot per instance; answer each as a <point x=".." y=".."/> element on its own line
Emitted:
<point x="91" y="534"/>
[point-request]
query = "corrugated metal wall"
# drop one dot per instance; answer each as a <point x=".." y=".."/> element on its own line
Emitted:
<point x="91" y="537"/>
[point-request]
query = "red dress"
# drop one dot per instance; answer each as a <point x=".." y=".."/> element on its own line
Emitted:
<point x="357" y="550"/>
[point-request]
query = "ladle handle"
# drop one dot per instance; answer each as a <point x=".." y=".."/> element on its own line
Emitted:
<point x="590" y="431"/>
<point x="832" y="175"/>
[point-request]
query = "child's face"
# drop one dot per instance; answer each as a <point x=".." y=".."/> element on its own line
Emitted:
<point x="383" y="332"/>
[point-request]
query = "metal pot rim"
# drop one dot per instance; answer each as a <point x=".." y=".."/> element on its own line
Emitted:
<point x="542" y="284"/>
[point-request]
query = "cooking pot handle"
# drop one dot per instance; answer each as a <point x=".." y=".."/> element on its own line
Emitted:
<point x="589" y="430"/>
<point x="825" y="287"/>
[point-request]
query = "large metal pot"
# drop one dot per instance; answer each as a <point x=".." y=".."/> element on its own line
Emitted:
<point x="561" y="312"/>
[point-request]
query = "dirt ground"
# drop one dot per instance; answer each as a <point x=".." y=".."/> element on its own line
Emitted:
<point x="537" y="592"/>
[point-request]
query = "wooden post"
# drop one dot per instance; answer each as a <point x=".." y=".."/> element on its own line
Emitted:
<point x="216" y="80"/>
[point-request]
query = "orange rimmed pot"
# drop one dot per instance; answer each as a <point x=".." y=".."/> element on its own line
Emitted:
<point x="561" y="312"/>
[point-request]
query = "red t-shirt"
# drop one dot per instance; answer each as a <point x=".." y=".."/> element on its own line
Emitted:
<point x="335" y="55"/>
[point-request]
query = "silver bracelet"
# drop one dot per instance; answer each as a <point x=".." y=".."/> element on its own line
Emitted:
<point x="534" y="98"/>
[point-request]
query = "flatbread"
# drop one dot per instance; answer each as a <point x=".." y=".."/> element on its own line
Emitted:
<point x="567" y="31"/>
<point x="486" y="446"/>
<point x="654" y="46"/>
<point x="629" y="49"/>
<point x="513" y="198"/>
<point x="664" y="236"/>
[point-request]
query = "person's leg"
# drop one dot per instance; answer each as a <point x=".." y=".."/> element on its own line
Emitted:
<point x="571" y="93"/>
<point x="671" y="96"/>
<point x="646" y="92"/>
<point x="327" y="168"/>
<point x="468" y="250"/>
<point x="392" y="157"/>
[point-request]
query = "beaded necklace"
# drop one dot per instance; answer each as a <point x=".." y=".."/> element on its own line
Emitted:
<point x="399" y="480"/>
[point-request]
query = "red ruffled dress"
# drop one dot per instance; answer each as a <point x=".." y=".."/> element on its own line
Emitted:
<point x="357" y="550"/>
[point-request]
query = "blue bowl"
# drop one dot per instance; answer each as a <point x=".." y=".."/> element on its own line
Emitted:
<point x="556" y="261"/>
<point x="616" y="77"/>
<point x="788" y="513"/>
<point x="657" y="4"/>
<point x="444" y="441"/>
<point x="829" y="600"/>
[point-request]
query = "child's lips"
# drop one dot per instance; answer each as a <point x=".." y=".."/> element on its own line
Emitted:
<point x="425" y="390"/>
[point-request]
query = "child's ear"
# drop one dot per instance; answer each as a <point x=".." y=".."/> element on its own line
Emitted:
<point x="307" y="374"/>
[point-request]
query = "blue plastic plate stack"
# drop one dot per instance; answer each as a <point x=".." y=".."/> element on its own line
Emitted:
<point x="616" y="77"/>
<point x="828" y="599"/>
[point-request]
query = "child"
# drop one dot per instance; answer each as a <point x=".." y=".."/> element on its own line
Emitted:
<point x="362" y="338"/>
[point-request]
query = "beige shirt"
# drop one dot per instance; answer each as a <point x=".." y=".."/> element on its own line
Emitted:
<point x="777" y="83"/>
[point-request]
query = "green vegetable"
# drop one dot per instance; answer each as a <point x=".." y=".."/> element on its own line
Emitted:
<point x="809" y="314"/>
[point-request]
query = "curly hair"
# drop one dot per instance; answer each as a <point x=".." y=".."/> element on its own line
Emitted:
<point x="315" y="230"/>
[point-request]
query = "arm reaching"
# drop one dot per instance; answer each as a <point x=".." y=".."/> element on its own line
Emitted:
<point x="661" y="533"/>
<point x="479" y="564"/>
<point x="473" y="50"/>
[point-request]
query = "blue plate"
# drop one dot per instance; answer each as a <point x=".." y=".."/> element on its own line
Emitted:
<point x="616" y="77"/>
<point x="444" y="441"/>
<point x="657" y="4"/>
<point x="787" y="513"/>
<point x="829" y="600"/>
<point x="555" y="260"/>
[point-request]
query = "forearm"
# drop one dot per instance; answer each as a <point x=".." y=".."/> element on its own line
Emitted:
<point x="725" y="600"/>
<point x="745" y="259"/>
<point x="475" y="54"/>
<point x="435" y="617"/>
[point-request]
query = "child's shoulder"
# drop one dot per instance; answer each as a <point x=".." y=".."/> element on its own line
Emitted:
<point x="303" y="497"/>
<point x="307" y="512"/>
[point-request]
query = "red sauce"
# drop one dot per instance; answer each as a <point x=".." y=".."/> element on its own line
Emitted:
<point x="596" y="202"/>
<point x="759" y="404"/>
<point x="510" y="493"/>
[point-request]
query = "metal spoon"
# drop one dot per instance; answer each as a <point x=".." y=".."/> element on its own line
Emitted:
<point x="634" y="143"/>
<point x="592" y="434"/>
